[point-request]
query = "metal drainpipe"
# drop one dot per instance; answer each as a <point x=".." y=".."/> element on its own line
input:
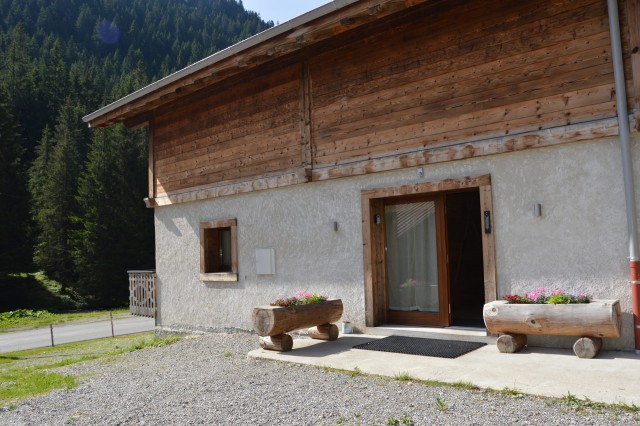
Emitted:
<point x="627" y="166"/>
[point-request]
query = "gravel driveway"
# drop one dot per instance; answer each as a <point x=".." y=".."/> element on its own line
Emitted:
<point x="208" y="380"/>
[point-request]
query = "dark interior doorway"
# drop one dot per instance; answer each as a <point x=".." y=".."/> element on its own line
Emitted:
<point x="464" y="248"/>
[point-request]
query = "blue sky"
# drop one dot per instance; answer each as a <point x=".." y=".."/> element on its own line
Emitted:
<point x="280" y="11"/>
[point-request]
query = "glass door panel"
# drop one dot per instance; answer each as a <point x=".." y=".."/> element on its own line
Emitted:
<point x="412" y="257"/>
<point x="414" y="281"/>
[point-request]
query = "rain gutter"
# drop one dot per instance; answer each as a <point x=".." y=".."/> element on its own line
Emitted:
<point x="627" y="166"/>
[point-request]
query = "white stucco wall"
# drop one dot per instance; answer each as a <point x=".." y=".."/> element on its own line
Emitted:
<point x="578" y="244"/>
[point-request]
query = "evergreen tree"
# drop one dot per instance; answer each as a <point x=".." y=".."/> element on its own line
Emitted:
<point x="56" y="196"/>
<point x="13" y="196"/>
<point x="115" y="229"/>
<point x="17" y="72"/>
<point x="16" y="66"/>
<point x="38" y="170"/>
<point x="54" y="80"/>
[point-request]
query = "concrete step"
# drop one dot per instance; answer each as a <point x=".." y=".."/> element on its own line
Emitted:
<point x="467" y="334"/>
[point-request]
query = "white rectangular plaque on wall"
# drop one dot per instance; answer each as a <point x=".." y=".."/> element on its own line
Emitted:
<point x="265" y="261"/>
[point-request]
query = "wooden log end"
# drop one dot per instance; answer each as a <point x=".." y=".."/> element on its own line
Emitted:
<point x="324" y="332"/>
<point x="263" y="320"/>
<point x="587" y="347"/>
<point x="279" y="342"/>
<point x="511" y="343"/>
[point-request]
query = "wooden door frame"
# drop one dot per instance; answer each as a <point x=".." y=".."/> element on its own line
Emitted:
<point x="374" y="260"/>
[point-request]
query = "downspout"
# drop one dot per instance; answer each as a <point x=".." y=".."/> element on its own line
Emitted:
<point x="627" y="166"/>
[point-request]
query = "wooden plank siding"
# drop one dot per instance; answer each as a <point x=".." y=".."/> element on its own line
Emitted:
<point x="248" y="130"/>
<point x="342" y="21"/>
<point x="463" y="80"/>
<point x="631" y="21"/>
<point x="433" y="81"/>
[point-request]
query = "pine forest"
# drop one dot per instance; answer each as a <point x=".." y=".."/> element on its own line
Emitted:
<point x="71" y="198"/>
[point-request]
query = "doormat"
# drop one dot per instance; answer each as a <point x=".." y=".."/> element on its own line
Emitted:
<point x="421" y="346"/>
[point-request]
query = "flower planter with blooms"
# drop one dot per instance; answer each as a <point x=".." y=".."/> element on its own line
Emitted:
<point x="300" y="298"/>
<point x="555" y="297"/>
<point x="303" y="310"/>
<point x="553" y="313"/>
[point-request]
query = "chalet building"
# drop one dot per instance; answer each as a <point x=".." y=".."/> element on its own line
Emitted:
<point x="415" y="158"/>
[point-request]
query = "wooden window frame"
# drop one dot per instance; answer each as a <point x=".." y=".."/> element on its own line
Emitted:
<point x="227" y="276"/>
<point x="374" y="267"/>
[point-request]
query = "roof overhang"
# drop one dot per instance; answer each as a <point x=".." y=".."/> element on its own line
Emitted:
<point x="308" y="29"/>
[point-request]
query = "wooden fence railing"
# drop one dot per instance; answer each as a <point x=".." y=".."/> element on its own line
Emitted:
<point x="142" y="293"/>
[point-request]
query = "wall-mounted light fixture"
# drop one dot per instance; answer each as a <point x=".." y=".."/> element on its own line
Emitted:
<point x="537" y="209"/>
<point x="420" y="172"/>
<point x="487" y="222"/>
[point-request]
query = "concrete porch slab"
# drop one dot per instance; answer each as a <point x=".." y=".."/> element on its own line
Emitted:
<point x="612" y="377"/>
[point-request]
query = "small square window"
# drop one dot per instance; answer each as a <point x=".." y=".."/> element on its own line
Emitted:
<point x="218" y="251"/>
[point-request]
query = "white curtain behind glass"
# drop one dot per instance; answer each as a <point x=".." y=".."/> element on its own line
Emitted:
<point x="412" y="263"/>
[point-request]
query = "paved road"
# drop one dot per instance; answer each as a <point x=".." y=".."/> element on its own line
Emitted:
<point x="41" y="337"/>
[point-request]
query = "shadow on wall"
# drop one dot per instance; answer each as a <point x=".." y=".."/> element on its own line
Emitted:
<point x="170" y="226"/>
<point x="221" y="285"/>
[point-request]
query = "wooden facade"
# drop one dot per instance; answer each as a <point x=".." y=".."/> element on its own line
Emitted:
<point x="454" y="76"/>
<point x="246" y="130"/>
<point x="381" y="85"/>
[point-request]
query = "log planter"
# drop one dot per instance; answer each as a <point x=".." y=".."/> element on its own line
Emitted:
<point x="273" y="322"/>
<point x="589" y="321"/>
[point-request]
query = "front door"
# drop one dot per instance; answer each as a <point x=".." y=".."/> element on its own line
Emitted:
<point x="429" y="252"/>
<point x="415" y="257"/>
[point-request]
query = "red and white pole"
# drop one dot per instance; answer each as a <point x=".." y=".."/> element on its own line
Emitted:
<point x="634" y="268"/>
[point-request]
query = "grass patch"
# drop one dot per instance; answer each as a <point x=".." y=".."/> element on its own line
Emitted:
<point x="404" y="420"/>
<point x="404" y="377"/>
<point x="508" y="391"/>
<point x="462" y="386"/>
<point x="351" y="373"/>
<point x="578" y="404"/>
<point x="441" y="404"/>
<point x="31" y="300"/>
<point x="25" y="374"/>
<point x="633" y="408"/>
<point x="20" y="384"/>
<point x="36" y="291"/>
<point x="27" y="319"/>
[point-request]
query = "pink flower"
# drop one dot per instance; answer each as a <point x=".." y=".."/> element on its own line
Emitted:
<point x="539" y="295"/>
<point x="535" y="294"/>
